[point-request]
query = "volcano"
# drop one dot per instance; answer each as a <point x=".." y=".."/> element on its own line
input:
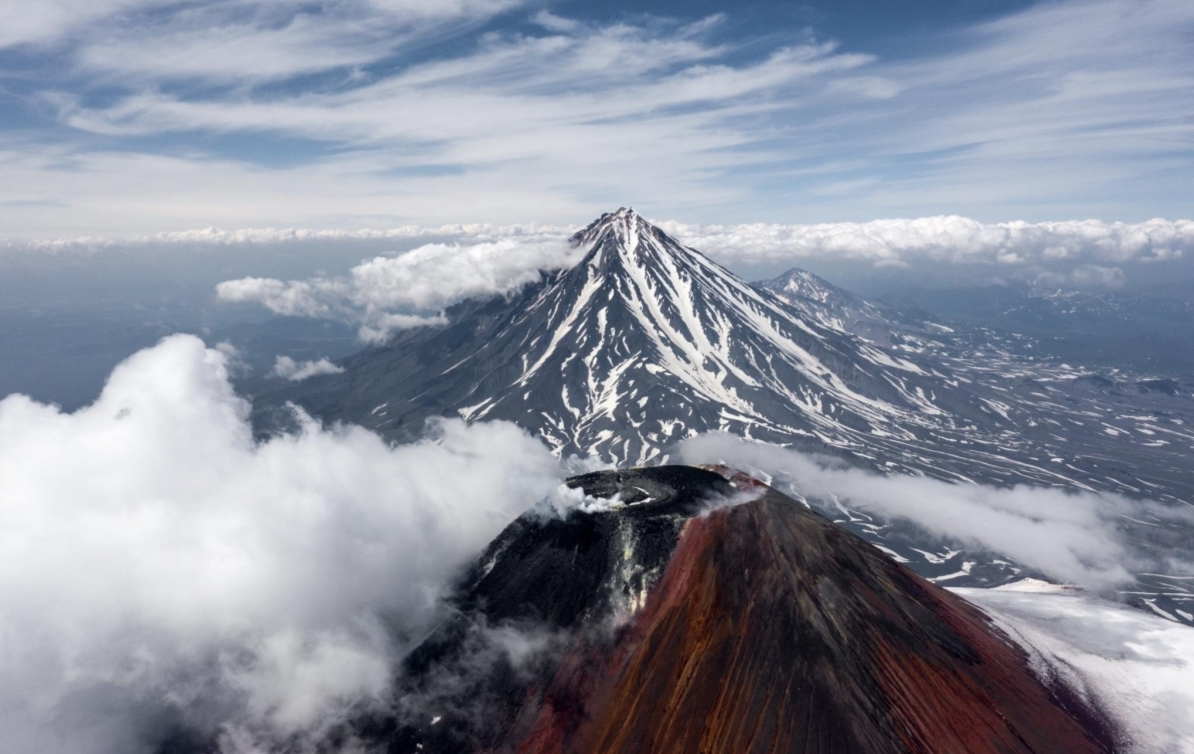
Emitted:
<point x="646" y="342"/>
<point x="643" y="343"/>
<point x="685" y="609"/>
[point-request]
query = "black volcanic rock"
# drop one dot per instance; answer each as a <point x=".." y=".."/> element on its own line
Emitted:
<point x="760" y="627"/>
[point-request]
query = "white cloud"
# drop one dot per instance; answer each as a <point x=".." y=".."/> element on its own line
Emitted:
<point x="1069" y="536"/>
<point x="296" y="298"/>
<point x="509" y="251"/>
<point x="190" y="30"/>
<point x="429" y="277"/>
<point x="433" y="276"/>
<point x="466" y="232"/>
<point x="153" y="554"/>
<point x="289" y="369"/>
<point x="943" y="239"/>
<point x="647" y="109"/>
<point x="1037" y="113"/>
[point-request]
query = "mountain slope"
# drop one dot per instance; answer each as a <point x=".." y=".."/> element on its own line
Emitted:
<point x="643" y="343"/>
<point x="755" y="627"/>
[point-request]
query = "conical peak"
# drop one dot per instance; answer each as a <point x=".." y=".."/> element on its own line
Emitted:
<point x="625" y="224"/>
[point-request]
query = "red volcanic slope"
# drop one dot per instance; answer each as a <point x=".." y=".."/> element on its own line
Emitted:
<point x="772" y="630"/>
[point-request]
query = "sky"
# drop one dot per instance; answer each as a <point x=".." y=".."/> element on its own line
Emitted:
<point x="129" y="117"/>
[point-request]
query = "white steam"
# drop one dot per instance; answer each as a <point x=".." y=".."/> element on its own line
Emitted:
<point x="1068" y="536"/>
<point x="154" y="556"/>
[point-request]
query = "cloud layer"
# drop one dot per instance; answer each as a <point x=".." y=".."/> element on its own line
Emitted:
<point x="956" y="240"/>
<point x="1071" y="537"/>
<point x="156" y="561"/>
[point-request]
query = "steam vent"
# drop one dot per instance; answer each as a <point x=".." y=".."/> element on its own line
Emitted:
<point x="700" y="610"/>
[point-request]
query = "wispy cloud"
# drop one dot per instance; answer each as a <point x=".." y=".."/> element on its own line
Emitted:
<point x="173" y="116"/>
<point x="207" y="30"/>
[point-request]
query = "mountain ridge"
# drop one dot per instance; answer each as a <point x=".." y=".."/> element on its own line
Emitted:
<point x="643" y="319"/>
<point x="645" y="343"/>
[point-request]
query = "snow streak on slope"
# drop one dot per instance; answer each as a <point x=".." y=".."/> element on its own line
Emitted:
<point x="647" y="341"/>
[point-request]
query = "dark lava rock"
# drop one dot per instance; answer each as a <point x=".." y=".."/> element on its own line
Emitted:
<point x="690" y="620"/>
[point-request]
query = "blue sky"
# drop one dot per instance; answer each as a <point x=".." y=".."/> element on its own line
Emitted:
<point x="124" y="117"/>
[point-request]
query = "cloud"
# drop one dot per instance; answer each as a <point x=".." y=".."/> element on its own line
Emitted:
<point x="467" y="233"/>
<point x="1072" y="537"/>
<point x="157" y="563"/>
<point x="956" y="240"/>
<point x="182" y="31"/>
<point x="429" y="277"/>
<point x="296" y="298"/>
<point x="287" y="368"/>
<point x="1030" y="114"/>
<point x="433" y="276"/>
<point x="1090" y="249"/>
<point x="506" y="122"/>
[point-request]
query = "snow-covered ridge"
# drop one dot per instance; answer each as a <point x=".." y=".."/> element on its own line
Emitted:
<point x="648" y="341"/>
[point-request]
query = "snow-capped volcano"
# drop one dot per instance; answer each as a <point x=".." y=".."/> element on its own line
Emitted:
<point x="641" y="344"/>
<point x="648" y="334"/>
<point x="646" y="342"/>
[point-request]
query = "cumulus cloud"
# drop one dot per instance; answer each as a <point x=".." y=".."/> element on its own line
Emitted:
<point x="289" y="369"/>
<point x="436" y="275"/>
<point x="943" y="239"/>
<point x="429" y="277"/>
<point x="157" y="563"/>
<point x="296" y="298"/>
<point x="1068" y="536"/>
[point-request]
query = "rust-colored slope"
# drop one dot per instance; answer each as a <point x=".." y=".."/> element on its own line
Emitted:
<point x="772" y="630"/>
